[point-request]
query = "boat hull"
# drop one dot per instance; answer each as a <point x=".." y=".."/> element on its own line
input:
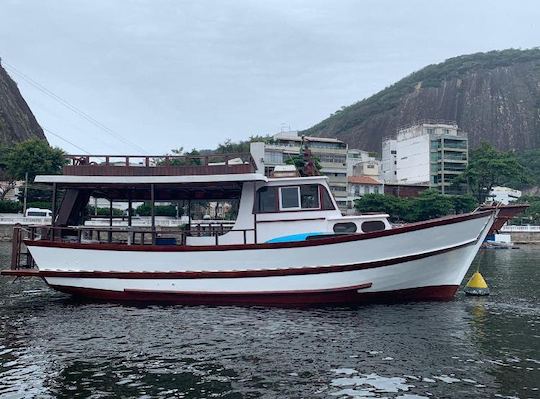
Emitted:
<point x="426" y="261"/>
<point x="340" y="297"/>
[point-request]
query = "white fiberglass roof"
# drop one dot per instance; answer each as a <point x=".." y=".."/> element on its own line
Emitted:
<point x="238" y="177"/>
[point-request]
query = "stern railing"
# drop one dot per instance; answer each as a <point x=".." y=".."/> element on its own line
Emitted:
<point x="21" y="257"/>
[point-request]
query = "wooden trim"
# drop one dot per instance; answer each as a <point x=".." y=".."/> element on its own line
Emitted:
<point x="229" y="247"/>
<point x="234" y="273"/>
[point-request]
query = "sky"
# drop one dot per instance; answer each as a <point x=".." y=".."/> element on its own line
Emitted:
<point x="147" y="76"/>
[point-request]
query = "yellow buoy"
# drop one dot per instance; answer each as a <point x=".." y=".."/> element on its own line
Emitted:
<point x="477" y="285"/>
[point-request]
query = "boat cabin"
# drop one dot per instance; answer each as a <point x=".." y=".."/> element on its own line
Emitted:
<point x="269" y="209"/>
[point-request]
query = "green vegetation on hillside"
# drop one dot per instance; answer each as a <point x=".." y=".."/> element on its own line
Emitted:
<point x="430" y="76"/>
<point x="530" y="161"/>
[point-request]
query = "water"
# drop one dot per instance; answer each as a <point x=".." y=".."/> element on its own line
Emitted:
<point x="53" y="346"/>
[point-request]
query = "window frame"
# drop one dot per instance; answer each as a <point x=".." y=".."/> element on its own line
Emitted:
<point x="322" y="190"/>
<point x="318" y="198"/>
<point x="292" y="208"/>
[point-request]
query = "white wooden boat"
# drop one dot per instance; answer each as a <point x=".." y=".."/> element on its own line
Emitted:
<point x="290" y="245"/>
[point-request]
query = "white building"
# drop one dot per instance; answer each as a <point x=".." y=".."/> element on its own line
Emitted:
<point x="504" y="195"/>
<point x="427" y="153"/>
<point x="361" y="163"/>
<point x="389" y="161"/>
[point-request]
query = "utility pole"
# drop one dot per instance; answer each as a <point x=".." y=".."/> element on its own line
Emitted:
<point x="25" y="192"/>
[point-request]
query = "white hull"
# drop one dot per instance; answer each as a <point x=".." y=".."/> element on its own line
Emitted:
<point x="427" y="261"/>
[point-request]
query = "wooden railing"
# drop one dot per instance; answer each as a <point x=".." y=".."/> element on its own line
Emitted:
<point x="21" y="258"/>
<point x="158" y="165"/>
<point x="234" y="161"/>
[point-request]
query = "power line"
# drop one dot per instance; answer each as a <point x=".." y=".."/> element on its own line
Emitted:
<point x="72" y="107"/>
<point x="66" y="140"/>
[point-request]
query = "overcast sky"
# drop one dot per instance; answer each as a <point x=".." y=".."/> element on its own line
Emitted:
<point x="168" y="73"/>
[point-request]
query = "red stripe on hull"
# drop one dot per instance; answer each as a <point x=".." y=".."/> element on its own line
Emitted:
<point x="310" y="298"/>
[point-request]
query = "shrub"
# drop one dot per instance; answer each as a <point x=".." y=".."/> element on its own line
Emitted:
<point x="10" y="206"/>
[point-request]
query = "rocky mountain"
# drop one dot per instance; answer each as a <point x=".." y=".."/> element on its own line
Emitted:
<point x="17" y="123"/>
<point x="493" y="96"/>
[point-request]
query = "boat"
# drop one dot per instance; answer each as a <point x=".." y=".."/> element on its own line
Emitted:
<point x="506" y="212"/>
<point x="289" y="244"/>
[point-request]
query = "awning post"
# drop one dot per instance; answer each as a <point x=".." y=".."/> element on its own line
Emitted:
<point x="153" y="211"/>
<point x="110" y="219"/>
<point x="53" y="205"/>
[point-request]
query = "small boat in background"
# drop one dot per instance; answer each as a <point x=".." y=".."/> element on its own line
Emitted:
<point x="289" y="244"/>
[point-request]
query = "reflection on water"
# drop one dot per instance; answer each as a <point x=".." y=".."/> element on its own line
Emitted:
<point x="53" y="346"/>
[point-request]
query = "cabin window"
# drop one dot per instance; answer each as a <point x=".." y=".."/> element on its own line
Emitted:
<point x="34" y="213"/>
<point x="289" y="198"/>
<point x="348" y="227"/>
<point x="373" y="225"/>
<point x="327" y="204"/>
<point x="266" y="200"/>
<point x="309" y="196"/>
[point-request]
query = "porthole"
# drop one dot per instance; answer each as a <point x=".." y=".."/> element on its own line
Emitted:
<point x="345" y="228"/>
<point x="373" y="225"/>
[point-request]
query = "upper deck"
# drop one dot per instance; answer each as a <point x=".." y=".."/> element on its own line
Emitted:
<point x="158" y="165"/>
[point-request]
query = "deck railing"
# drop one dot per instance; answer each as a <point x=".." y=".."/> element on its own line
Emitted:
<point x="21" y="257"/>
<point x="520" y="229"/>
<point x="21" y="219"/>
<point x="158" y="164"/>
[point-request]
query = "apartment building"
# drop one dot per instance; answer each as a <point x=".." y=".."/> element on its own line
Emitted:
<point x="426" y="153"/>
<point x="361" y="163"/>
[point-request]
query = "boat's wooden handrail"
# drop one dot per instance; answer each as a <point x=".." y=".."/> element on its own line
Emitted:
<point x="131" y="235"/>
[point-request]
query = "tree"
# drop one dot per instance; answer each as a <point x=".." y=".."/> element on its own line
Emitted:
<point x="305" y="162"/>
<point x="393" y="206"/>
<point x="429" y="204"/>
<point x="34" y="157"/>
<point x="190" y="158"/>
<point x="530" y="160"/>
<point x="145" y="209"/>
<point x="531" y="215"/>
<point x="489" y="168"/>
<point x="7" y="182"/>
<point x="464" y="203"/>
<point x="242" y="146"/>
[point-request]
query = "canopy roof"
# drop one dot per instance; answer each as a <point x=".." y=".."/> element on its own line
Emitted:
<point x="166" y="188"/>
<point x="130" y="180"/>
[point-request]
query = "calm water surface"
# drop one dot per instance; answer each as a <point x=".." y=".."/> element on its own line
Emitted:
<point x="53" y="346"/>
